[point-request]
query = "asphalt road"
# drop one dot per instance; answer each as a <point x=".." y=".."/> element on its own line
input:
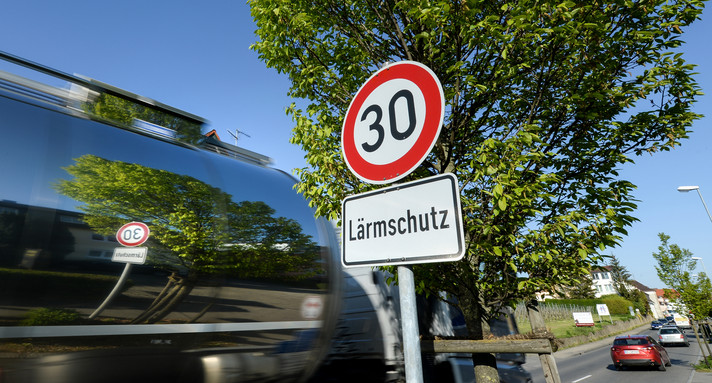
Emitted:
<point x="592" y="364"/>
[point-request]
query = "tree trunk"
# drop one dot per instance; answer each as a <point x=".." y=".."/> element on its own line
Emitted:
<point x="485" y="363"/>
<point x="174" y="300"/>
<point x="176" y="289"/>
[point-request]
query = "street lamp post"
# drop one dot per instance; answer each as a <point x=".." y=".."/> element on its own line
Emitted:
<point x="703" y="264"/>
<point x="685" y="189"/>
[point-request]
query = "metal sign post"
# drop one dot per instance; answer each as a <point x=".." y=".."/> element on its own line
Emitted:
<point x="409" y="322"/>
<point x="130" y="235"/>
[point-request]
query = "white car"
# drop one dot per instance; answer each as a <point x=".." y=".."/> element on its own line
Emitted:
<point x="672" y="335"/>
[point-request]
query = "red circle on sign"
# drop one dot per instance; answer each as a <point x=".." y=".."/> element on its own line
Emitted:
<point x="434" y="98"/>
<point x="133" y="234"/>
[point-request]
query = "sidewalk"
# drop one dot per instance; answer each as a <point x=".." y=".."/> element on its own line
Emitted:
<point x="700" y="377"/>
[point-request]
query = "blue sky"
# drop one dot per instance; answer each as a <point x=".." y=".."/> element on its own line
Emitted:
<point x="195" y="56"/>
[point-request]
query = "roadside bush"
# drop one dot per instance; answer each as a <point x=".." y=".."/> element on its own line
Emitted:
<point x="50" y="317"/>
<point x="617" y="305"/>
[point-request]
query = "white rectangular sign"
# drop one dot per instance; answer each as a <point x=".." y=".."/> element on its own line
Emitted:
<point x="415" y="222"/>
<point x="583" y="319"/>
<point x="135" y="255"/>
<point x="602" y="309"/>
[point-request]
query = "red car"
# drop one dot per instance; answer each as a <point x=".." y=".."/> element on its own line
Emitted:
<point x="639" y="350"/>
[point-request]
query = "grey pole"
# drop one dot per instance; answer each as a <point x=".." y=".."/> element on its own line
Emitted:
<point x="117" y="289"/>
<point x="409" y="322"/>
<point x="704" y="204"/>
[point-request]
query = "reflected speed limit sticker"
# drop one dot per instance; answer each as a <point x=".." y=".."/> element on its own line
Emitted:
<point x="133" y="234"/>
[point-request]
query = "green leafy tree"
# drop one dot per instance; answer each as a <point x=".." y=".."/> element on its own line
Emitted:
<point x="196" y="229"/>
<point x="544" y="103"/>
<point x="674" y="269"/>
<point x="582" y="290"/>
<point x="620" y="276"/>
<point x="125" y="112"/>
<point x="622" y="282"/>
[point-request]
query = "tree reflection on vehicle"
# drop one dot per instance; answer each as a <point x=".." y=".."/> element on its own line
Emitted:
<point x="197" y="230"/>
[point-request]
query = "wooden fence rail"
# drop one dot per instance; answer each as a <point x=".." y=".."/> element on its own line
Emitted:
<point x="529" y="346"/>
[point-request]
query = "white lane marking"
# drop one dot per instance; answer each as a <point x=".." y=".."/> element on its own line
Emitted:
<point x="584" y="378"/>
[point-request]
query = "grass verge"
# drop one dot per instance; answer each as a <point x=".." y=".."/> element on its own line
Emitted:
<point x="565" y="328"/>
<point x="701" y="366"/>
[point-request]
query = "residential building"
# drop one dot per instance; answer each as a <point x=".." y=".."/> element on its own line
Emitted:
<point x="655" y="308"/>
<point x="667" y="305"/>
<point x="603" y="281"/>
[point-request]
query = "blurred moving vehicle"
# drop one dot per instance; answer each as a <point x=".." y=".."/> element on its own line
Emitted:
<point x="639" y="350"/>
<point x="668" y="335"/>
<point x="682" y="322"/>
<point x="656" y="324"/>
<point x="236" y="282"/>
<point x="367" y="346"/>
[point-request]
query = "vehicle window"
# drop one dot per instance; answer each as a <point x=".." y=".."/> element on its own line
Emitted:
<point x="669" y="331"/>
<point x="629" y="342"/>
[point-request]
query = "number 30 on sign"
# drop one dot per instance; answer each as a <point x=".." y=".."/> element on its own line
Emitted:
<point x="133" y="234"/>
<point x="393" y="122"/>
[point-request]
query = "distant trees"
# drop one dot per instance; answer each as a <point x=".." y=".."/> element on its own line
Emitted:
<point x="582" y="290"/>
<point x="622" y="283"/>
<point x="620" y="276"/>
<point x="125" y="112"/>
<point x="674" y="268"/>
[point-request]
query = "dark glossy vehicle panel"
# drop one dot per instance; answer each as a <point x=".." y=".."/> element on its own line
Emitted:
<point x="238" y="275"/>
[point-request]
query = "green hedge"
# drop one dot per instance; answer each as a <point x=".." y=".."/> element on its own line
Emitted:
<point x="51" y="317"/>
<point x="617" y="304"/>
<point x="574" y="302"/>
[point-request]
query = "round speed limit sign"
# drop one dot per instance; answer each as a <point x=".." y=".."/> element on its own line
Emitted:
<point x="393" y="122"/>
<point x="133" y="234"/>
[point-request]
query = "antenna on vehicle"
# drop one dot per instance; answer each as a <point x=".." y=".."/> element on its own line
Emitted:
<point x="237" y="133"/>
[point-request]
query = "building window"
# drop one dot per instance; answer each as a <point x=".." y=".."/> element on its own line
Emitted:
<point x="70" y="219"/>
<point x="9" y="210"/>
